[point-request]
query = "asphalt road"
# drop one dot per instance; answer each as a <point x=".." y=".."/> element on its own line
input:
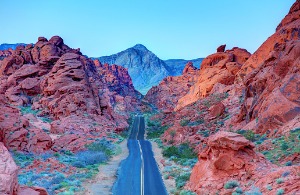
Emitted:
<point x="138" y="174"/>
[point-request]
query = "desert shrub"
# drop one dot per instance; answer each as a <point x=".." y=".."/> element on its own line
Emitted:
<point x="103" y="145"/>
<point x="59" y="178"/>
<point x="283" y="147"/>
<point x="46" y="119"/>
<point x="248" y="134"/>
<point x="90" y="157"/>
<point x="183" y="151"/>
<point x="184" y="122"/>
<point x="239" y="191"/>
<point x="196" y="123"/>
<point x="289" y="163"/>
<point x="22" y="159"/>
<point x="253" y="191"/>
<point x="78" y="164"/>
<point x="279" y="180"/>
<point x="182" y="179"/>
<point x="280" y="192"/>
<point x="28" y="110"/>
<point x="285" y="174"/>
<point x="204" y="133"/>
<point x="231" y="184"/>
<point x="186" y="192"/>
<point x="269" y="187"/>
<point x="151" y="123"/>
<point x="156" y="132"/>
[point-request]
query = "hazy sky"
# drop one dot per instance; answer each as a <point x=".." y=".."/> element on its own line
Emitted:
<point x="170" y="28"/>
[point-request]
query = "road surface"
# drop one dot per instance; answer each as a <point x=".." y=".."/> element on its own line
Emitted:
<point x="139" y="173"/>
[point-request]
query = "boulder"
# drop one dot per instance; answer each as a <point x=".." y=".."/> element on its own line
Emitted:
<point x="230" y="156"/>
<point x="8" y="173"/>
<point x="217" y="110"/>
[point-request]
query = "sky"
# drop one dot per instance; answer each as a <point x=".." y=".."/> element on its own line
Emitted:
<point x="172" y="29"/>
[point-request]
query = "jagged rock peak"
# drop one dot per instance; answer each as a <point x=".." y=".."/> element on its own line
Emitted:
<point x="221" y="48"/>
<point x="189" y="67"/>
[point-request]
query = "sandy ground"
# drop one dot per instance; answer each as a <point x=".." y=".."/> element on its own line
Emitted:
<point x="169" y="183"/>
<point x="104" y="180"/>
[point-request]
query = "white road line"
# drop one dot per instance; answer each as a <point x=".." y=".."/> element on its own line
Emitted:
<point x="142" y="170"/>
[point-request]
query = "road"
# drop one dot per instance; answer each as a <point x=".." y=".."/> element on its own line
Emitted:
<point x="138" y="174"/>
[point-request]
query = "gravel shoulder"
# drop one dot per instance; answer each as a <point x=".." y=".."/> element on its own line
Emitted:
<point x="104" y="180"/>
<point x="169" y="183"/>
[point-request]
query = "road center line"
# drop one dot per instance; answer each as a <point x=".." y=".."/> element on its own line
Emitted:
<point x="142" y="169"/>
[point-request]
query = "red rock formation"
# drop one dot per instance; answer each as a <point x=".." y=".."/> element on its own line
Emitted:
<point x="118" y="81"/>
<point x="32" y="190"/>
<point x="217" y="110"/>
<point x="5" y="53"/>
<point x="221" y="68"/>
<point x="166" y="95"/>
<point x="17" y="132"/>
<point x="287" y="30"/>
<point x="221" y="48"/>
<point x="230" y="156"/>
<point x="271" y="77"/>
<point x="8" y="173"/>
<point x="59" y="83"/>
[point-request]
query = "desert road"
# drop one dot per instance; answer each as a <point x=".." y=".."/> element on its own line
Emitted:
<point x="138" y="174"/>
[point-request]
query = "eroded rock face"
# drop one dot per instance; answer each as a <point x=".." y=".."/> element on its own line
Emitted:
<point x="59" y="84"/>
<point x="272" y="94"/>
<point x="166" y="95"/>
<point x="119" y="83"/>
<point x="18" y="133"/>
<point x="287" y="30"/>
<point x="229" y="156"/>
<point x="8" y="173"/>
<point x="220" y="67"/>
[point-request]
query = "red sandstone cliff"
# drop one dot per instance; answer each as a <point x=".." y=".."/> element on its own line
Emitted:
<point x="166" y="95"/>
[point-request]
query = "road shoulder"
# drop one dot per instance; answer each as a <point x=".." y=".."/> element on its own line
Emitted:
<point x="169" y="183"/>
<point x="104" y="180"/>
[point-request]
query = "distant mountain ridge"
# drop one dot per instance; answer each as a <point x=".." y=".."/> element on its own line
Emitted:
<point x="5" y="46"/>
<point x="145" y="68"/>
<point x="176" y="66"/>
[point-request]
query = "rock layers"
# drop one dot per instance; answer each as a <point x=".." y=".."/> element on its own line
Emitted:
<point x="49" y="81"/>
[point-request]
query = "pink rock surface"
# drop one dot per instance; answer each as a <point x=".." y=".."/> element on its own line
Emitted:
<point x="8" y="173"/>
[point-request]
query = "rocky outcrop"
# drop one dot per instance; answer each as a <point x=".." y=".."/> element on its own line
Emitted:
<point x="118" y="81"/>
<point x="221" y="48"/>
<point x="271" y="77"/>
<point x="230" y="156"/>
<point x="18" y="133"/>
<point x="287" y="30"/>
<point x="166" y="95"/>
<point x="8" y="173"/>
<point x="221" y="68"/>
<point x="176" y="66"/>
<point x="49" y="80"/>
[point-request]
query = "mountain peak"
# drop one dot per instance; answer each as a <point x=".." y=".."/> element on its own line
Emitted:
<point x="140" y="47"/>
